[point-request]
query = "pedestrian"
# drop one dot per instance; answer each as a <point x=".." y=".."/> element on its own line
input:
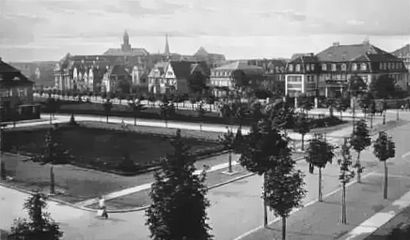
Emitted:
<point x="103" y="209"/>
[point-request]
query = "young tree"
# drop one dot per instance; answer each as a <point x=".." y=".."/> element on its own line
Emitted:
<point x="360" y="140"/>
<point x="284" y="188"/>
<point x="346" y="174"/>
<point x="384" y="148"/>
<point x="302" y="126"/>
<point x="178" y="209"/>
<point x="341" y="105"/>
<point x="39" y="226"/>
<point x="305" y="103"/>
<point x="53" y="152"/>
<point x="319" y="153"/>
<point x="136" y="107"/>
<point x="52" y="105"/>
<point x="167" y="110"/>
<point x="232" y="142"/>
<point x="200" y="113"/>
<point x="261" y="149"/>
<point x="107" y="105"/>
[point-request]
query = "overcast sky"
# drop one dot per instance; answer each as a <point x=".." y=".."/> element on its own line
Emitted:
<point x="48" y="29"/>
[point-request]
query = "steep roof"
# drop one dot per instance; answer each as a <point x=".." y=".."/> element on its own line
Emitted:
<point x="404" y="51"/>
<point x="10" y="76"/>
<point x="120" y="52"/>
<point x="355" y="52"/>
<point x="182" y="69"/>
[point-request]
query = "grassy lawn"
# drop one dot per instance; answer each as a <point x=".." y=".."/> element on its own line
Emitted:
<point x="103" y="149"/>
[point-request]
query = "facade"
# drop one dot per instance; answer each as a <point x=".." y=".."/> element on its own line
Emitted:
<point x="328" y="72"/>
<point x="173" y="76"/>
<point x="222" y="78"/>
<point x="16" y="95"/>
<point x="91" y="72"/>
<point x="404" y="54"/>
<point x="41" y="73"/>
<point x="274" y="74"/>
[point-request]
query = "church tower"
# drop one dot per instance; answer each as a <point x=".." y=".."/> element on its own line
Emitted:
<point x="126" y="47"/>
<point x="167" y="53"/>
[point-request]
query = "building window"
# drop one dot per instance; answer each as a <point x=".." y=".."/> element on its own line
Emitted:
<point x="354" y="67"/>
<point x="312" y="67"/>
<point x="381" y="66"/>
<point x="363" y="66"/>
<point x="290" y="67"/>
<point x="324" y="67"/>
<point x="344" y="67"/>
<point x="307" y="67"/>
<point x="297" y="67"/>
<point x="334" y="67"/>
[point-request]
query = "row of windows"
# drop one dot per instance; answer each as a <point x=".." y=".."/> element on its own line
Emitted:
<point x="18" y="92"/>
<point x="221" y="73"/>
<point x="343" y="67"/>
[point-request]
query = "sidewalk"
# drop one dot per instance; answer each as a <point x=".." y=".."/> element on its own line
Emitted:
<point x="321" y="221"/>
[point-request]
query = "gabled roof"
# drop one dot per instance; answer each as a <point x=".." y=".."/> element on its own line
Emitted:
<point x="182" y="69"/>
<point x="355" y="52"/>
<point x="10" y="76"/>
<point x="404" y="51"/>
<point x="119" y="70"/>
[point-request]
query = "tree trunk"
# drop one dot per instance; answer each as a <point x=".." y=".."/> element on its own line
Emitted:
<point x="341" y="116"/>
<point x="52" y="190"/>
<point x="359" y="166"/>
<point x="265" y="205"/>
<point x="371" y="120"/>
<point x="230" y="161"/>
<point x="283" y="228"/>
<point x="385" y="180"/>
<point x="107" y="118"/>
<point x="343" y="203"/>
<point x="200" y="127"/>
<point x="303" y="142"/>
<point x="320" y="184"/>
<point x="135" y="120"/>
<point x="51" y="118"/>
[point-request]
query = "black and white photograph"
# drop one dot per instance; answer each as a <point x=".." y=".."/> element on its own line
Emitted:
<point x="204" y="120"/>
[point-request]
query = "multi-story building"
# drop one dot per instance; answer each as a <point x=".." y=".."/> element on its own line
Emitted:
<point x="173" y="76"/>
<point x="328" y="72"/>
<point x="404" y="54"/>
<point x="222" y="78"/>
<point x="41" y="73"/>
<point x="274" y="74"/>
<point x="16" y="95"/>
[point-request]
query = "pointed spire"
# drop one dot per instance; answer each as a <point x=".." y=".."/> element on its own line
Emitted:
<point x="167" y="52"/>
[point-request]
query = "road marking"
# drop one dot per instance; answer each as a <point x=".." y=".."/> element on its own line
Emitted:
<point x="405" y="155"/>
<point x="297" y="209"/>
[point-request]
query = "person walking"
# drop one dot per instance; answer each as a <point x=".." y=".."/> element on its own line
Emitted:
<point x="103" y="208"/>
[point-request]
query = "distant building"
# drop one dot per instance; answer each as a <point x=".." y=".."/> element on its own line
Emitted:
<point x="16" y="95"/>
<point x="274" y="74"/>
<point x="404" y="54"/>
<point x="222" y="78"/>
<point x="328" y="72"/>
<point x="41" y="73"/>
<point x="126" y="49"/>
<point x="173" y="76"/>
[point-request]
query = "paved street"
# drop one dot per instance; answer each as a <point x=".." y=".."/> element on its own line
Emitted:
<point x="235" y="208"/>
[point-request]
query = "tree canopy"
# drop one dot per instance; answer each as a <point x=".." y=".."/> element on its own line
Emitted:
<point x="383" y="87"/>
<point x="178" y="209"/>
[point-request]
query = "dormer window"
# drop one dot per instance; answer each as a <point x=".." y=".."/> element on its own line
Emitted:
<point x="324" y="67"/>
<point x="290" y="67"/>
<point x="354" y="67"/>
<point x="344" y="67"/>
<point x="363" y="67"/>
<point x="297" y="67"/>
<point x="333" y="67"/>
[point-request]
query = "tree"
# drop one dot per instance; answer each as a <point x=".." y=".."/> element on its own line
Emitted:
<point x="40" y="225"/>
<point x="365" y="102"/>
<point x="136" y="107"/>
<point x="383" y="87"/>
<point x="261" y="149"/>
<point x="240" y="79"/>
<point x="356" y="85"/>
<point x="341" y="105"/>
<point x="319" y="153"/>
<point x="178" y="209"/>
<point x="52" y="105"/>
<point x="200" y="113"/>
<point x="107" y="105"/>
<point x="167" y="110"/>
<point x="302" y="126"/>
<point x="284" y="188"/>
<point x="53" y="152"/>
<point x="360" y="140"/>
<point x="346" y="174"/>
<point x="305" y="103"/>
<point x="384" y="148"/>
<point x="197" y="82"/>
<point x="232" y="142"/>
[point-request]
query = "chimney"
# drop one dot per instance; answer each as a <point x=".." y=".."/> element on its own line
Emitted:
<point x="335" y="44"/>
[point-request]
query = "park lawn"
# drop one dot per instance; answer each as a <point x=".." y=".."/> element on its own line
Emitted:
<point x="103" y="149"/>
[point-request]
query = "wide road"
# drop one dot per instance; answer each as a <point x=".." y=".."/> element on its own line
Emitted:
<point x="235" y="208"/>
